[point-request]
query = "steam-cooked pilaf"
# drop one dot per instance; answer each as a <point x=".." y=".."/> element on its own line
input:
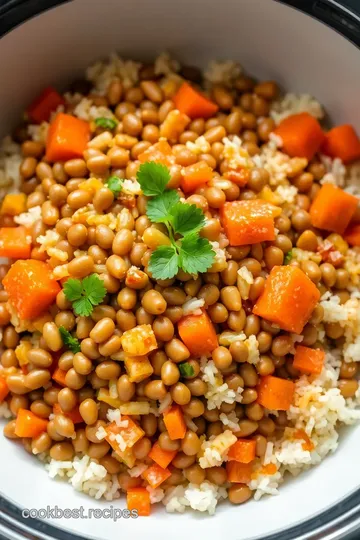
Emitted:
<point x="180" y="313"/>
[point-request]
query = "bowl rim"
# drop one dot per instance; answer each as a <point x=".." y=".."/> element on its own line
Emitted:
<point x="342" y="520"/>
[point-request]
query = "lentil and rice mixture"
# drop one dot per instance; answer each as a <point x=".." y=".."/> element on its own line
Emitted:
<point x="240" y="367"/>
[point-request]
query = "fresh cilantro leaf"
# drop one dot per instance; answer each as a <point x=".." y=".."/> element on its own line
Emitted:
<point x="288" y="257"/>
<point x="164" y="262"/>
<point x="187" y="218"/>
<point x="94" y="289"/>
<point x="158" y="208"/>
<point x="85" y="294"/>
<point x="196" y="254"/>
<point x="73" y="289"/>
<point x="114" y="183"/>
<point x="186" y="369"/>
<point x="153" y="178"/>
<point x="106" y="123"/>
<point x="69" y="341"/>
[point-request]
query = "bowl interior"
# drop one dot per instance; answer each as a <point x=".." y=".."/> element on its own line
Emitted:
<point x="271" y="41"/>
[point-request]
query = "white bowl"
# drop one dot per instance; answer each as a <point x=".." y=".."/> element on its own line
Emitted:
<point x="270" y="40"/>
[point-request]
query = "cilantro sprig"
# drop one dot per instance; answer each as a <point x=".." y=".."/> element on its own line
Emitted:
<point x="69" y="341"/>
<point x="183" y="221"/>
<point x="106" y="123"/>
<point x="85" y="294"/>
<point x="114" y="183"/>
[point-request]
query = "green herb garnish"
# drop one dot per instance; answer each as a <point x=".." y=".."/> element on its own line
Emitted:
<point x="69" y="341"/>
<point x="106" y="123"/>
<point x="186" y="369"/>
<point x="288" y="257"/>
<point x="85" y="294"/>
<point x="114" y="183"/>
<point x="183" y="221"/>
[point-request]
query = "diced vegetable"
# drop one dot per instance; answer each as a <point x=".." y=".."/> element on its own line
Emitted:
<point x="242" y="451"/>
<point x="22" y="351"/>
<point x="309" y="360"/>
<point x="28" y="424"/>
<point x="59" y="376"/>
<point x="275" y="394"/>
<point x="249" y="222"/>
<point x="104" y="395"/>
<point x="30" y="287"/>
<point x="239" y="176"/>
<point x="14" y="243"/>
<point x="138" y="499"/>
<point x="332" y="209"/>
<point x="301" y="135"/>
<point x="13" y="204"/>
<point x="47" y="102"/>
<point x="196" y="175"/>
<point x="198" y="333"/>
<point x="352" y="234"/>
<point x="160" y="456"/>
<point x="4" y="390"/>
<point x="135" y="408"/>
<point x="67" y="138"/>
<point x="139" y="340"/>
<point x="74" y="415"/>
<point x="239" y="473"/>
<point x="160" y="152"/>
<point x="175" y="423"/>
<point x="174" y="125"/>
<point x="156" y="475"/>
<point x="138" y="368"/>
<point x="342" y="142"/>
<point x="191" y="102"/>
<point x="130" y="433"/>
<point x="288" y="299"/>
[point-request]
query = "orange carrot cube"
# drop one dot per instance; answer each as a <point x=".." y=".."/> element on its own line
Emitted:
<point x="194" y="104"/>
<point x="288" y="299"/>
<point x="138" y="499"/>
<point x="239" y="473"/>
<point x="160" y="456"/>
<point x="301" y="135"/>
<point x="309" y="360"/>
<point x="196" y="175"/>
<point x="175" y="423"/>
<point x="67" y="138"/>
<point x="15" y="243"/>
<point x="332" y="209"/>
<point x="198" y="334"/>
<point x="242" y="451"/>
<point x="156" y="475"/>
<point x="28" y="424"/>
<point x="275" y="394"/>
<point x="342" y="142"/>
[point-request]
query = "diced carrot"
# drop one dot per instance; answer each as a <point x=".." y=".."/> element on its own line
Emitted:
<point x="175" y="423"/>
<point x="198" y="333"/>
<point x="239" y="176"/>
<point x="129" y="434"/>
<point x="139" y="341"/>
<point x="301" y="135"/>
<point x="288" y="299"/>
<point x="307" y="444"/>
<point x="59" y="376"/>
<point x="138" y="368"/>
<point x="249" y="222"/>
<point x="309" y="360"/>
<point x="30" y="287"/>
<point x="342" y="142"/>
<point x="194" y="104"/>
<point x="160" y="152"/>
<point x="352" y="234"/>
<point x="196" y="175"/>
<point x="332" y="209"/>
<point x="4" y="390"/>
<point x="47" y="102"/>
<point x="275" y="394"/>
<point x="160" y="456"/>
<point x="74" y="415"/>
<point x="239" y="473"/>
<point x="174" y="125"/>
<point x="68" y="137"/>
<point x="155" y="475"/>
<point x="14" y="243"/>
<point x="13" y="204"/>
<point x="242" y="451"/>
<point x="138" y="499"/>
<point x="28" y="424"/>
